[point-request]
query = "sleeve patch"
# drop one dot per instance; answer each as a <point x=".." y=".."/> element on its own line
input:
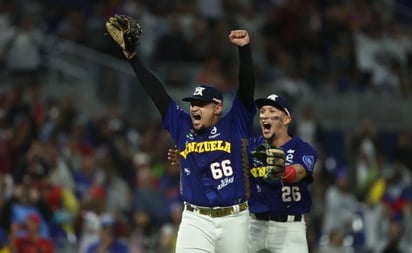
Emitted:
<point x="309" y="161"/>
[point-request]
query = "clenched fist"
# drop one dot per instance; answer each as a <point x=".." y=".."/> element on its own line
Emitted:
<point x="239" y="37"/>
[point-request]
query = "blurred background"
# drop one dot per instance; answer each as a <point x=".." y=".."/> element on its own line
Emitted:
<point x="82" y="154"/>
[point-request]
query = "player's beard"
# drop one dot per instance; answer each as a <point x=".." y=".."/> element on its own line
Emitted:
<point x="270" y="138"/>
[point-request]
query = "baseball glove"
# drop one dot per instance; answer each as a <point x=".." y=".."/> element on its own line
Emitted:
<point x="274" y="159"/>
<point x="126" y="31"/>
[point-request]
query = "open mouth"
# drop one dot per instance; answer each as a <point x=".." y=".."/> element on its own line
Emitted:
<point x="196" y="117"/>
<point x="266" y="125"/>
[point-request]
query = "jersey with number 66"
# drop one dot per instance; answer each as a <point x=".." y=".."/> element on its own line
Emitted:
<point x="213" y="162"/>
<point x="280" y="198"/>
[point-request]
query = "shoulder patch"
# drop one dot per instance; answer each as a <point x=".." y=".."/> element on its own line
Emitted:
<point x="309" y="161"/>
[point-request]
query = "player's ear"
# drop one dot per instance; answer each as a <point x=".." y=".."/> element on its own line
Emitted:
<point x="287" y="120"/>
<point x="218" y="108"/>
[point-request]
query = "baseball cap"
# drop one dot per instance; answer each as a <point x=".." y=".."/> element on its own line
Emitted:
<point x="276" y="101"/>
<point x="205" y="93"/>
<point x="33" y="217"/>
<point x="107" y="220"/>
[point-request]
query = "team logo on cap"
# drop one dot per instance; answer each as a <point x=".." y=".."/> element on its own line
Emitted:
<point x="198" y="91"/>
<point x="273" y="97"/>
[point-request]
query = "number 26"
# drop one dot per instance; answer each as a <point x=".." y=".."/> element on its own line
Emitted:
<point x="291" y="193"/>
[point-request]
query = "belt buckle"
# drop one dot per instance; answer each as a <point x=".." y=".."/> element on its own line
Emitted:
<point x="221" y="212"/>
<point x="205" y="211"/>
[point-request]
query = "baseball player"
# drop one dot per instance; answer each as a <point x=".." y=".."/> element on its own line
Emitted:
<point x="213" y="149"/>
<point x="277" y="208"/>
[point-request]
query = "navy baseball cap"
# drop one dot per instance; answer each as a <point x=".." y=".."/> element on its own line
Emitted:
<point x="205" y="93"/>
<point x="275" y="101"/>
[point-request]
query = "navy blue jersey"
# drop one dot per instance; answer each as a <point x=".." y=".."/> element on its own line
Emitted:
<point x="213" y="167"/>
<point x="280" y="198"/>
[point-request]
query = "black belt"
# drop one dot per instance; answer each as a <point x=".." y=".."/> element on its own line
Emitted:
<point x="279" y="218"/>
<point x="215" y="212"/>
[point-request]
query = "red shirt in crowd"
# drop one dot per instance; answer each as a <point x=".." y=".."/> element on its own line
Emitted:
<point x="39" y="245"/>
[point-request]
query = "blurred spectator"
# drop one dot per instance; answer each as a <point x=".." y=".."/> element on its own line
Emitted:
<point x="26" y="200"/>
<point x="249" y="19"/>
<point x="308" y="126"/>
<point x="35" y="168"/>
<point x="5" y="26"/>
<point x="88" y="220"/>
<point x="20" y="118"/>
<point x="397" y="43"/>
<point x="143" y="236"/>
<point x="65" y="207"/>
<point x="4" y="242"/>
<point x="33" y="241"/>
<point x="293" y="86"/>
<point x="71" y="26"/>
<point x="108" y="241"/>
<point x="212" y="72"/>
<point x="4" y="247"/>
<point x="169" y="184"/>
<point x="403" y="148"/>
<point x="172" y="46"/>
<point x="364" y="145"/>
<point x="394" y="240"/>
<point x="95" y="31"/>
<point x="168" y="231"/>
<point x="211" y="10"/>
<point x="7" y="147"/>
<point x="118" y="193"/>
<point x="87" y="175"/>
<point x="340" y="205"/>
<point x="397" y="193"/>
<point x="38" y="110"/>
<point x="22" y="53"/>
<point x="200" y="40"/>
<point x="335" y="243"/>
<point x="59" y="174"/>
<point x="155" y="27"/>
<point x="147" y="195"/>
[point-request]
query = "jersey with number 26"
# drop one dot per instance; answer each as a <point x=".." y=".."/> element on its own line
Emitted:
<point x="280" y="198"/>
<point x="213" y="162"/>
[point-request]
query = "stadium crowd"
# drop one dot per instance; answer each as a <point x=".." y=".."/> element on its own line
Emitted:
<point x="70" y="178"/>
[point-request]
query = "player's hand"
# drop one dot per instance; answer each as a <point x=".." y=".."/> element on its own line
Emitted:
<point x="239" y="37"/>
<point x="126" y="32"/>
<point x="173" y="156"/>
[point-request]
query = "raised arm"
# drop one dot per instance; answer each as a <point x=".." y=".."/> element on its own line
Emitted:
<point x="246" y="89"/>
<point x="152" y="85"/>
<point x="126" y="32"/>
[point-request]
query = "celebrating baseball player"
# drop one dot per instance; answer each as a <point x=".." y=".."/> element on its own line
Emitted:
<point x="213" y="147"/>
<point x="280" y="175"/>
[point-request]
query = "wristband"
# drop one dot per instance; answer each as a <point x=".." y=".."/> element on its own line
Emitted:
<point x="290" y="174"/>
